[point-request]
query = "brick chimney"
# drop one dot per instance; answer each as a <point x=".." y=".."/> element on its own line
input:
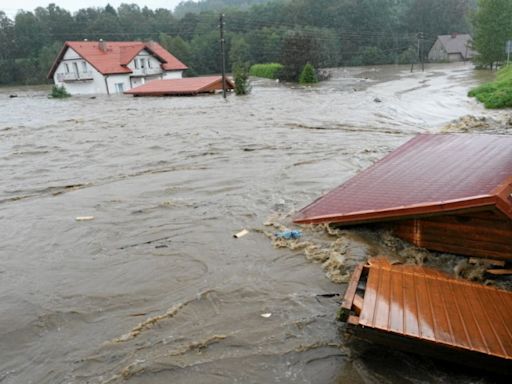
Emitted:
<point x="102" y="45"/>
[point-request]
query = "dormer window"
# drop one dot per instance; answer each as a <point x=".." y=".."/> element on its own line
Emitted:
<point x="136" y="62"/>
<point x="67" y="67"/>
<point x="142" y="63"/>
<point x="149" y="63"/>
<point x="84" y="66"/>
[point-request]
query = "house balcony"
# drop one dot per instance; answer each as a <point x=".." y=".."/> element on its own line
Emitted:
<point x="146" y="71"/>
<point x="72" y="76"/>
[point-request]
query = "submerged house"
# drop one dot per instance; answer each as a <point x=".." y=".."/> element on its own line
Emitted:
<point x="107" y="67"/>
<point x="445" y="192"/>
<point x="452" y="48"/>
<point x="189" y="86"/>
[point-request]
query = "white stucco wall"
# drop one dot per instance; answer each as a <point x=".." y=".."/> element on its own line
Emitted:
<point x="438" y="53"/>
<point x="113" y="80"/>
<point x="172" y="75"/>
<point x="83" y="87"/>
<point x="154" y="64"/>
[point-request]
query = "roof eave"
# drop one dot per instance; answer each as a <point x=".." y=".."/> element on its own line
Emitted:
<point x="57" y="61"/>
<point x="404" y="212"/>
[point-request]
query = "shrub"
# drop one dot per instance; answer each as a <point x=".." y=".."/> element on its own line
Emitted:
<point x="497" y="94"/>
<point x="373" y="56"/>
<point x="308" y="75"/>
<point x="59" y="92"/>
<point x="241" y="74"/>
<point x="268" y="71"/>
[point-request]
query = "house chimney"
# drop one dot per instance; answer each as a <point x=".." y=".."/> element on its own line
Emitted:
<point x="454" y="35"/>
<point x="102" y="45"/>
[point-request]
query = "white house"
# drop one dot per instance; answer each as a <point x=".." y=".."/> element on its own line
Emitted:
<point x="108" y="67"/>
<point x="454" y="47"/>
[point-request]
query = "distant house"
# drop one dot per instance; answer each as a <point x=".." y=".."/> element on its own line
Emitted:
<point x="451" y="48"/>
<point x="96" y="67"/>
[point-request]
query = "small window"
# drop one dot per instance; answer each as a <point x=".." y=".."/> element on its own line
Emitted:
<point x="119" y="87"/>
<point x="67" y="68"/>
<point x="142" y="63"/>
<point x="84" y="66"/>
<point x="136" y="62"/>
<point x="149" y="63"/>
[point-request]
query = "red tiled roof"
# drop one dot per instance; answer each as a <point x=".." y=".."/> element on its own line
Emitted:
<point x="117" y="55"/>
<point x="427" y="175"/>
<point x="186" y="86"/>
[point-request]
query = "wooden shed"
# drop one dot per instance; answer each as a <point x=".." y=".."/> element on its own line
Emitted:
<point x="425" y="311"/>
<point x="189" y="86"/>
<point x="445" y="192"/>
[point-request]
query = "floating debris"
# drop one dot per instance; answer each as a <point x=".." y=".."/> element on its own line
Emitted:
<point x="84" y="218"/>
<point x="292" y="234"/>
<point x="240" y="234"/>
<point x="425" y="311"/>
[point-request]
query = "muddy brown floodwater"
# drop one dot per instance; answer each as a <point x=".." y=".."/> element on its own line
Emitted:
<point x="155" y="289"/>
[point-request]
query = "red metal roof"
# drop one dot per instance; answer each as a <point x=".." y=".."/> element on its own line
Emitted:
<point x="117" y="55"/>
<point x="424" y="304"/>
<point x="186" y="86"/>
<point x="427" y="175"/>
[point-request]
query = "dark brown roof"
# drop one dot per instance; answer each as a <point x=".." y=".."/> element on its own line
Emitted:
<point x="424" y="304"/>
<point x="430" y="174"/>
<point x="186" y="86"/>
<point x="457" y="43"/>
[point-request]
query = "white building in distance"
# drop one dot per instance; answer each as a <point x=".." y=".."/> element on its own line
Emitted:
<point x="108" y="67"/>
<point x="451" y="48"/>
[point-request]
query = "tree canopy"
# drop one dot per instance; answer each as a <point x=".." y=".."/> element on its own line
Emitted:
<point x="322" y="32"/>
<point x="493" y="28"/>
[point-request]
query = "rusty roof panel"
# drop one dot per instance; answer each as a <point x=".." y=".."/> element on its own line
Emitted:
<point x="185" y="86"/>
<point x="424" y="304"/>
<point x="432" y="173"/>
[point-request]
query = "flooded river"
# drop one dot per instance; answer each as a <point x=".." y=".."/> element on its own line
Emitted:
<point x="155" y="289"/>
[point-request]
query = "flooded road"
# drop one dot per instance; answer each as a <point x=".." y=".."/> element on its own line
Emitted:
<point x="155" y="289"/>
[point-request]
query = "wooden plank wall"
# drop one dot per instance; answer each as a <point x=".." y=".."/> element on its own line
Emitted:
<point x="485" y="234"/>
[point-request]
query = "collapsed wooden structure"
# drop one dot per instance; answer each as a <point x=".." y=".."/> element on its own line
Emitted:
<point x="189" y="86"/>
<point x="445" y="192"/>
<point x="424" y="311"/>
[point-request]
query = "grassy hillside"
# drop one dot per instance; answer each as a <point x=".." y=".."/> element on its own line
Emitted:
<point x="497" y="94"/>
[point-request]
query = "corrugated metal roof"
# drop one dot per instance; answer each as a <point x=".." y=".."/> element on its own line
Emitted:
<point x="427" y="175"/>
<point x="186" y="86"/>
<point x="116" y="55"/>
<point x="422" y="303"/>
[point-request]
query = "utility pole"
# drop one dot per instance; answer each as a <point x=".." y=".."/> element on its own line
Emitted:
<point x="419" y="37"/>
<point x="223" y="55"/>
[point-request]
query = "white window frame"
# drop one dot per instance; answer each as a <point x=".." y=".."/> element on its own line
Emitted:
<point x="84" y="66"/>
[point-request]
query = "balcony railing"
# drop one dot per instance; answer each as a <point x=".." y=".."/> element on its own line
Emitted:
<point x="146" y="71"/>
<point x="73" y="76"/>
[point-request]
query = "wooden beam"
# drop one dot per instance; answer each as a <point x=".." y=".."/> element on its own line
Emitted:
<point x="475" y="260"/>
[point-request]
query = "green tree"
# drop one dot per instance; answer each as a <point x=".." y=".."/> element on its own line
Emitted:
<point x="178" y="47"/>
<point x="7" y="47"/>
<point x="308" y="75"/>
<point x="493" y="27"/>
<point x="239" y="51"/>
<point x="241" y="75"/>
